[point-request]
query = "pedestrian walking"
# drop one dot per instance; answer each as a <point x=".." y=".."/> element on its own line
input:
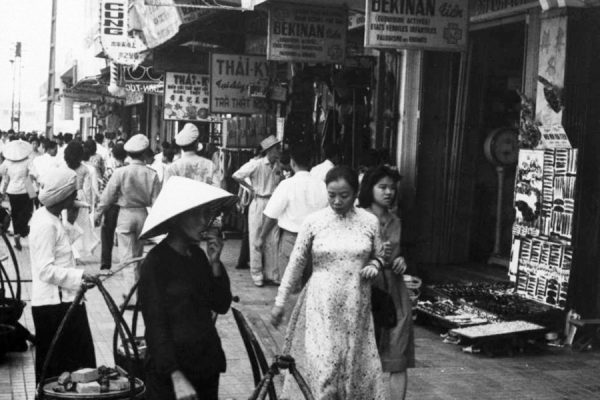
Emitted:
<point x="396" y="344"/>
<point x="320" y="171"/>
<point x="17" y="184"/>
<point x="191" y="165"/>
<point x="333" y="337"/>
<point x="264" y="174"/>
<point x="79" y="225"/>
<point x="101" y="150"/>
<point x="56" y="279"/>
<point x="111" y="212"/>
<point x="133" y="188"/>
<point x="180" y="287"/>
<point x="292" y="201"/>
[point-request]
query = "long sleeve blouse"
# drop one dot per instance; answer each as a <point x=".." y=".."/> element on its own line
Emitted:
<point x="178" y="295"/>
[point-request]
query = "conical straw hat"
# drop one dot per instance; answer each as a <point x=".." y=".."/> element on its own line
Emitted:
<point x="180" y="195"/>
<point x="17" y="150"/>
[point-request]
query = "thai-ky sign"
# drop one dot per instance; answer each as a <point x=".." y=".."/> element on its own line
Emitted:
<point x="417" y="24"/>
<point x="187" y="96"/>
<point x="232" y="78"/>
<point x="114" y="34"/>
<point x="307" y="33"/>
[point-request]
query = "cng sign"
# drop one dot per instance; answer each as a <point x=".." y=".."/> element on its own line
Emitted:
<point x="114" y="34"/>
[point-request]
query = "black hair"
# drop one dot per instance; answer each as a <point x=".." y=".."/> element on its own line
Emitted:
<point x="165" y="144"/>
<point x="99" y="138"/>
<point x="50" y="144"/>
<point x="343" y="172"/>
<point x="34" y="139"/>
<point x="169" y="153"/>
<point x="89" y="149"/>
<point x="118" y="152"/>
<point x="371" y="178"/>
<point x="301" y="155"/>
<point x="74" y="154"/>
<point x="190" y="147"/>
<point x="68" y="137"/>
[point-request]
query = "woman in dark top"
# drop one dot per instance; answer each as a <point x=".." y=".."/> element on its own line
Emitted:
<point x="180" y="286"/>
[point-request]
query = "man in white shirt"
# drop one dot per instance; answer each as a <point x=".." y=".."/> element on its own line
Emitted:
<point x="46" y="163"/>
<point x="191" y="165"/>
<point x="292" y="201"/>
<point x="100" y="149"/>
<point x="320" y="171"/>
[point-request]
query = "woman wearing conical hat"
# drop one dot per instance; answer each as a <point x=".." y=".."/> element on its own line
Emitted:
<point x="180" y="287"/>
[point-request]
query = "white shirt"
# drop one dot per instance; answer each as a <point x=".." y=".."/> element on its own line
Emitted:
<point x="53" y="270"/>
<point x="42" y="165"/>
<point x="294" y="199"/>
<point x="320" y="171"/>
<point x="14" y="174"/>
<point x="102" y="151"/>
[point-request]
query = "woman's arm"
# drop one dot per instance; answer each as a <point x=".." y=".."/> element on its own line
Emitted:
<point x="298" y="260"/>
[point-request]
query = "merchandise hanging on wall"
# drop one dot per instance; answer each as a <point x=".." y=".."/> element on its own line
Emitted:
<point x="542" y="252"/>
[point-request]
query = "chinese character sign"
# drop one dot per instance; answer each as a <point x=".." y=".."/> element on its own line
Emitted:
<point x="187" y="96"/>
<point x="417" y="24"/>
<point x="307" y="33"/>
<point x="231" y="77"/>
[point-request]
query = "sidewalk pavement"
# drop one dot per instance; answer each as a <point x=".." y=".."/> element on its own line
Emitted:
<point x="442" y="371"/>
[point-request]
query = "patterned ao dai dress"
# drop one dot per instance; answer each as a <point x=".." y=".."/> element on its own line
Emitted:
<point x="333" y="339"/>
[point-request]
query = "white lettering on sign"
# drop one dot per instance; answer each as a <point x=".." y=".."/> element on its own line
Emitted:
<point x="114" y="19"/>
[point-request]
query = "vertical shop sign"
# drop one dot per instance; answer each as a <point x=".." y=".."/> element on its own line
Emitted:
<point x="114" y="34"/>
<point x="187" y="96"/>
<point x="417" y="24"/>
<point x="307" y="33"/>
<point x="233" y="78"/>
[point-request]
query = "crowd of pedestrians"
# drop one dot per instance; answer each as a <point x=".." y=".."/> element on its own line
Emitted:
<point x="319" y="230"/>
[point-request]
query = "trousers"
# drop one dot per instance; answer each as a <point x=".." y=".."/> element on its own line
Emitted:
<point x="107" y="233"/>
<point x="262" y="265"/>
<point x="129" y="227"/>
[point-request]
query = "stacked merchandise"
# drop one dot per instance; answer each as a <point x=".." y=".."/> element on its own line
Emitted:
<point x="542" y="254"/>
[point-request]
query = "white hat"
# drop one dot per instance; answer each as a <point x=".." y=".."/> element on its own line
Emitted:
<point x="179" y="195"/>
<point x="187" y="135"/>
<point x="269" y="142"/>
<point x="59" y="184"/>
<point x="137" y="144"/>
<point x="17" y="150"/>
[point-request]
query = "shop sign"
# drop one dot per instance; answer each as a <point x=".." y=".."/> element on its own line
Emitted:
<point x="355" y="20"/>
<point x="150" y="88"/>
<point x="311" y="34"/>
<point x="160" y="23"/>
<point x="417" y="24"/>
<point x="114" y="34"/>
<point x="187" y="96"/>
<point x="133" y="98"/>
<point x="233" y="78"/>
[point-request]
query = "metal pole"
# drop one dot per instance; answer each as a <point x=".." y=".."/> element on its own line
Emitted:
<point x="19" y="69"/>
<point x="12" y="102"/>
<point x="51" y="73"/>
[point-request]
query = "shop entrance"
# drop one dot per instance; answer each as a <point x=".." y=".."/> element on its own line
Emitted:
<point x="493" y="102"/>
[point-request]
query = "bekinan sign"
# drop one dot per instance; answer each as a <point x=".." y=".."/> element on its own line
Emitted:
<point x="417" y="24"/>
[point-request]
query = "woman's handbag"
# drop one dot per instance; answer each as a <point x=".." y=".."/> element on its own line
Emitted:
<point x="382" y="306"/>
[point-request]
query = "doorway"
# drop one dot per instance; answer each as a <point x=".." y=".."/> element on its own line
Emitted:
<point x="495" y="75"/>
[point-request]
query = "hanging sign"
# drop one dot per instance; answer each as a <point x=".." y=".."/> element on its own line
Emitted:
<point x="150" y="88"/>
<point x="234" y="78"/>
<point x="187" y="96"/>
<point x="133" y="98"/>
<point x="417" y="24"/>
<point x="307" y="33"/>
<point x="114" y="34"/>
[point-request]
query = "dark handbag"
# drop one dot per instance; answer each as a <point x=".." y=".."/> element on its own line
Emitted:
<point x="382" y="306"/>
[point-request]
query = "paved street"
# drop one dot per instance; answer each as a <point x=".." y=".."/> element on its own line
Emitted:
<point x="443" y="371"/>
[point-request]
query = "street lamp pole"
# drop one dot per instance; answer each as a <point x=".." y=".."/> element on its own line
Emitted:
<point x="12" y="101"/>
<point x="51" y="72"/>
